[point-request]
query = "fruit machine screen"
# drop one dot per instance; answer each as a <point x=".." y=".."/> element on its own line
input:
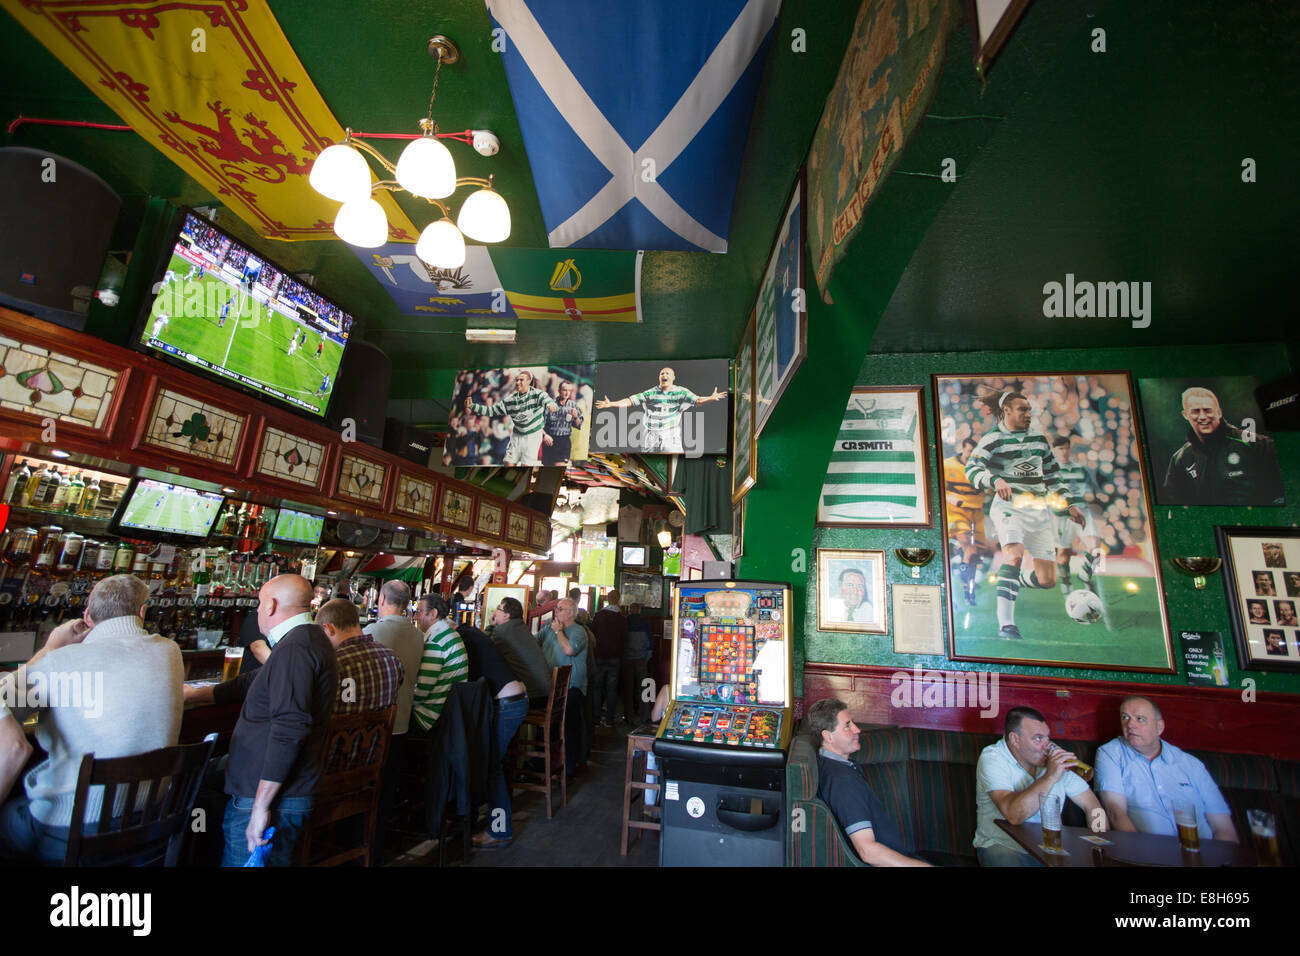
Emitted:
<point x="731" y="665"/>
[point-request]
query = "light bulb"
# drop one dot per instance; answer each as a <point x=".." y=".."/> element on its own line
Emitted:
<point x="340" y="173"/>
<point x="426" y="169"/>
<point x="361" y="222"/>
<point x="441" y="245"/>
<point x="665" y="538"/>
<point x="485" y="216"/>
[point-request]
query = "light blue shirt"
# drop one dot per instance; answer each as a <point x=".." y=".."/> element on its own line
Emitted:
<point x="284" y="627"/>
<point x="998" y="769"/>
<point x="555" y="657"/>
<point x="1152" y="787"/>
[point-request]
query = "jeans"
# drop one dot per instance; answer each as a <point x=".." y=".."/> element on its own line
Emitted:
<point x="510" y="714"/>
<point x="288" y="815"/>
<point x="575" y="730"/>
<point x="23" y="838"/>
<point x="1004" y="856"/>
<point x="606" y="686"/>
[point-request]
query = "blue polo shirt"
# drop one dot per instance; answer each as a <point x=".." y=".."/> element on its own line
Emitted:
<point x="843" y="787"/>
<point x="1152" y="787"/>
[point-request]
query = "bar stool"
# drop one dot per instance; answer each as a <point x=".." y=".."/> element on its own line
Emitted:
<point x="640" y="744"/>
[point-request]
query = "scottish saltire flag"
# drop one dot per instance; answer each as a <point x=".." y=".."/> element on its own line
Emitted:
<point x="635" y="114"/>
<point x="473" y="290"/>
<point x="877" y="469"/>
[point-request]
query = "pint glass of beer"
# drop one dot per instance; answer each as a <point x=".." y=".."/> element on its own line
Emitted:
<point x="1050" y="814"/>
<point x="1189" y="836"/>
<point x="230" y="667"/>
<point x="1263" y="827"/>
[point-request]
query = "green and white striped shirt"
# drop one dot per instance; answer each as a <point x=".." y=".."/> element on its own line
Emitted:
<point x="525" y="409"/>
<point x="1075" y="478"/>
<point x="1023" y="459"/>
<point x="444" y="663"/>
<point x="663" y="410"/>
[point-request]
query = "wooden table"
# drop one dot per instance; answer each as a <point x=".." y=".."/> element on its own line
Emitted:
<point x="1126" y="849"/>
<point x="640" y="744"/>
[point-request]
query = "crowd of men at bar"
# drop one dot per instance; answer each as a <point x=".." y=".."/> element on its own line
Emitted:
<point x="300" y="669"/>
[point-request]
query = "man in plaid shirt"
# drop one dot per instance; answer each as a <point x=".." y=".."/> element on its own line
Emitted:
<point x="369" y="673"/>
<point x="557" y="435"/>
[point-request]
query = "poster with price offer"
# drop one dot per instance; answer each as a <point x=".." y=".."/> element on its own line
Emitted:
<point x="1203" y="655"/>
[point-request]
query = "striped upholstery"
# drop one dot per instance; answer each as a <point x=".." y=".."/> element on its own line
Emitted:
<point x="813" y="837"/>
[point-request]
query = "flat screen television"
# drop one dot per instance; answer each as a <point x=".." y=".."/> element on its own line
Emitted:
<point x="158" y="510"/>
<point x="297" y="527"/>
<point x="225" y="311"/>
<point x="633" y="556"/>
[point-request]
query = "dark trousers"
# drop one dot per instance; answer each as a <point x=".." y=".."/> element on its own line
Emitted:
<point x="575" y="730"/>
<point x="633" y="674"/>
<point x="606" y="690"/>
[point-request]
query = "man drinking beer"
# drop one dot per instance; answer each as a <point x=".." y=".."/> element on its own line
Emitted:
<point x="1141" y="779"/>
<point x="1013" y="778"/>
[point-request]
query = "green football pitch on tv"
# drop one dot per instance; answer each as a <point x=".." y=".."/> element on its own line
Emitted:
<point x="169" y="511"/>
<point x="298" y="527"/>
<point x="254" y="342"/>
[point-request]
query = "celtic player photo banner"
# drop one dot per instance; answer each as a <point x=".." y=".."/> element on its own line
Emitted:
<point x="526" y="416"/>
<point x="877" y="476"/>
<point x="1051" y="555"/>
<point x="663" y="409"/>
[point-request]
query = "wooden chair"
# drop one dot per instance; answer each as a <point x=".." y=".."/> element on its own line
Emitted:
<point x="356" y="747"/>
<point x="637" y="782"/>
<point x="160" y="787"/>
<point x="549" y="721"/>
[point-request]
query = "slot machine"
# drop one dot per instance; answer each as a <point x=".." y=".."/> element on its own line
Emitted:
<point x="724" y="738"/>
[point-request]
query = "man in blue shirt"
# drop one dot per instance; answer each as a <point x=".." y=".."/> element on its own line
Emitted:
<point x="843" y="787"/>
<point x="565" y="643"/>
<point x="1140" y="779"/>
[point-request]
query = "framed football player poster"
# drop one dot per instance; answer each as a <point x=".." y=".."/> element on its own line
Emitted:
<point x="1051" y="557"/>
<point x="1261" y="573"/>
<point x="781" y="313"/>
<point x="878" y="474"/>
<point x="744" y="440"/>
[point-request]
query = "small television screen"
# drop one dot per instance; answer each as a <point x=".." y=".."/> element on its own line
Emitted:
<point x="157" y="509"/>
<point x="297" y="527"/>
<point x="633" y="555"/>
<point x="223" y="310"/>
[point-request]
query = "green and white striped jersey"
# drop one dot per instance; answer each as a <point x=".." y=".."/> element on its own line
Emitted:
<point x="1023" y="459"/>
<point x="663" y="410"/>
<point x="1075" y="478"/>
<point x="525" y="409"/>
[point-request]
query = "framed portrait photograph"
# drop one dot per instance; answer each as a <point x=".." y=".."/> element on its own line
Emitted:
<point x="781" y="312"/>
<point x="878" y="475"/>
<point x="493" y="593"/>
<point x="1208" y="442"/>
<point x="851" y="591"/>
<point x="1261" y="573"/>
<point x="744" y="440"/>
<point x="1051" y="557"/>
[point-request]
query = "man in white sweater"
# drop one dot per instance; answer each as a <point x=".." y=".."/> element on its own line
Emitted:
<point x="100" y="685"/>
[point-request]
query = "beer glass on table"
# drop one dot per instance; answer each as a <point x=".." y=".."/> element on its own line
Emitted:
<point x="1050" y="815"/>
<point x="1263" y="827"/>
<point x="230" y="667"/>
<point x="1189" y="837"/>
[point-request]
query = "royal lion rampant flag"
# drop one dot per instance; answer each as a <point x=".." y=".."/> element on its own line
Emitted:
<point x="216" y="88"/>
<point x="635" y="115"/>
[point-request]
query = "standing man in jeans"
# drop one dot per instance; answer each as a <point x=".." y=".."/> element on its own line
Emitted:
<point x="564" y="643"/>
<point x="636" y="666"/>
<point x="610" y="628"/>
<point x="275" y="753"/>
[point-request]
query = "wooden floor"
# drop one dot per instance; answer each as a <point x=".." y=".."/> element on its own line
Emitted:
<point x="586" y="832"/>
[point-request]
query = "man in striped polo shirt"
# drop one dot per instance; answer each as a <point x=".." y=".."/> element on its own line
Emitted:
<point x="557" y="435"/>
<point x="662" y="424"/>
<point x="444" y="662"/>
<point x="1075" y="477"/>
<point x="524" y="406"/>
<point x="1015" y="462"/>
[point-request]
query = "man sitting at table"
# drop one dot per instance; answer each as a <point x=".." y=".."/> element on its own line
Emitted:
<point x="843" y="787"/>
<point x="102" y="684"/>
<point x="1012" y="779"/>
<point x="1140" y="778"/>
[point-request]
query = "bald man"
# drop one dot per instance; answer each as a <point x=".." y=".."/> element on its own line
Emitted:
<point x="275" y="753"/>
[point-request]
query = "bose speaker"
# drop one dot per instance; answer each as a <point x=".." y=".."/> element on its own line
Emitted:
<point x="1280" y="402"/>
<point x="413" y="444"/>
<point x="56" y="220"/>
<point x="362" y="392"/>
